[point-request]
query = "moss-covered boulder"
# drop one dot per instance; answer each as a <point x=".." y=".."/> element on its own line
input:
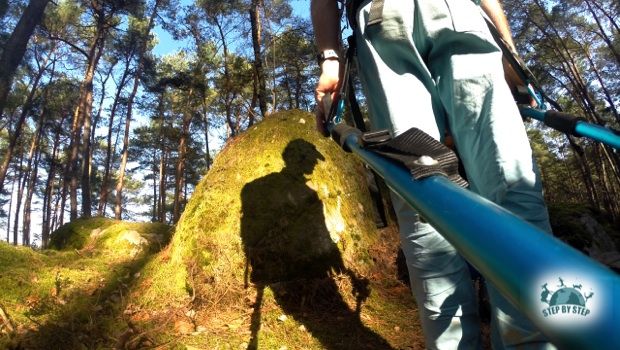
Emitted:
<point x="277" y="248"/>
<point x="587" y="230"/>
<point x="73" y="296"/>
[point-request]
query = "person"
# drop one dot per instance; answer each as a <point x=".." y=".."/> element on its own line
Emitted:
<point x="434" y="65"/>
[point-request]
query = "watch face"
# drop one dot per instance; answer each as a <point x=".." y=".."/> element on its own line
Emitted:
<point x="327" y="54"/>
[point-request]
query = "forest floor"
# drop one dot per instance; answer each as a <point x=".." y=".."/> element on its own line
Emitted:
<point x="304" y="269"/>
<point x="79" y="297"/>
<point x="71" y="296"/>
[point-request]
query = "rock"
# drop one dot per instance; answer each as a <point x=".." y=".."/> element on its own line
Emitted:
<point x="96" y="232"/>
<point x="133" y="237"/>
<point x="584" y="229"/>
<point x="603" y="248"/>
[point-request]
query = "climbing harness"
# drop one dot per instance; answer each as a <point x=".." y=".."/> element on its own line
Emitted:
<point x="419" y="152"/>
<point x="556" y="119"/>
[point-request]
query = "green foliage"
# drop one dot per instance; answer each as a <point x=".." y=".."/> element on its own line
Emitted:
<point x="49" y="292"/>
<point x="572" y="48"/>
<point x="291" y="60"/>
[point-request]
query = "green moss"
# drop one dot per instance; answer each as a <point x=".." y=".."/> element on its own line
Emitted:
<point x="74" y="235"/>
<point x="49" y="293"/>
<point x="257" y="241"/>
<point x="253" y="221"/>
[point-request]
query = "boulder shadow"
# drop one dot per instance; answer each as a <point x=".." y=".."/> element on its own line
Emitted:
<point x="289" y="249"/>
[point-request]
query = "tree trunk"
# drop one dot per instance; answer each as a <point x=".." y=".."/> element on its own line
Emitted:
<point x="583" y="166"/>
<point x="15" y="46"/>
<point x="86" y="166"/>
<point x="8" y="217"/>
<point x="81" y="114"/>
<point x="130" y="101"/>
<point x="299" y="86"/>
<point x="228" y="98"/>
<point x="49" y="190"/>
<point x="31" y="178"/>
<point x="162" y="185"/>
<point x="608" y="95"/>
<point x="92" y="170"/>
<point x="289" y="92"/>
<point x="608" y="41"/>
<point x="63" y="193"/>
<point x="255" y="23"/>
<point x="207" y="151"/>
<point x="20" y="192"/>
<point x="14" y="137"/>
<point x="118" y="204"/>
<point x="58" y="212"/>
<point x="180" y="168"/>
<point x="85" y="118"/>
<point x="155" y="198"/>
<point x="105" y="182"/>
<point x="612" y="17"/>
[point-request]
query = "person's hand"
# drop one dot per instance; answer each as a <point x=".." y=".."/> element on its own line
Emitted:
<point x="329" y="83"/>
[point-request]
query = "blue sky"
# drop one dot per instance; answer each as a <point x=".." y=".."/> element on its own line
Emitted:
<point x="167" y="45"/>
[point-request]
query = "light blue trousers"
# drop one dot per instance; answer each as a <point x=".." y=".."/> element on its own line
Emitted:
<point x="432" y="64"/>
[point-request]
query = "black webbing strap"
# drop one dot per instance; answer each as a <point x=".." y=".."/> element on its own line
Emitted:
<point x="354" y="107"/>
<point x="419" y="152"/>
<point x="374" y="17"/>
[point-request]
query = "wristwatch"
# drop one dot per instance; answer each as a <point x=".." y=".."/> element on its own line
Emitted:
<point x="327" y="55"/>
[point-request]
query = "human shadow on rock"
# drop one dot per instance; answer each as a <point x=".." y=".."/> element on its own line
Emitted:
<point x="289" y="249"/>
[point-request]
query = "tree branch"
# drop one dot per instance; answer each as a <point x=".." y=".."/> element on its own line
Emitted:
<point x="75" y="47"/>
<point x="6" y="320"/>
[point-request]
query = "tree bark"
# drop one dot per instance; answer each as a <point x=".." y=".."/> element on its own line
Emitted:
<point x="118" y="204"/>
<point x="162" y="185"/>
<point x="8" y="218"/>
<point x="105" y="183"/>
<point x="259" y="74"/>
<point x="130" y="101"/>
<point x="81" y="114"/>
<point x="608" y="41"/>
<point x="32" y="171"/>
<point x="49" y="189"/>
<point x="91" y="150"/>
<point x="15" y="46"/>
<point x="586" y="174"/>
<point x="606" y="92"/>
<point x="228" y="95"/>
<point x="180" y="168"/>
<point x="20" y="192"/>
<point x="155" y="198"/>
<point x="207" y="150"/>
